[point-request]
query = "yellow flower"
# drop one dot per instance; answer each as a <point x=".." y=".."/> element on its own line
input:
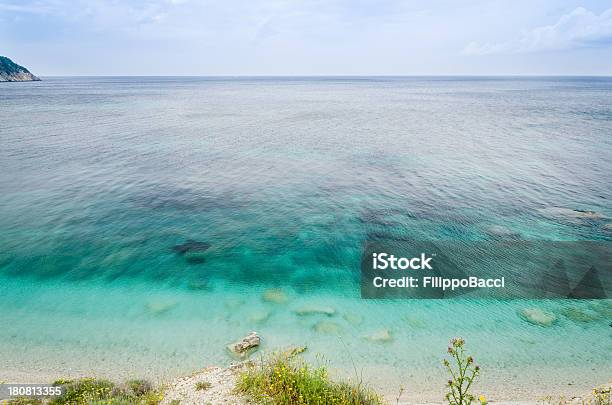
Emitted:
<point x="482" y="399"/>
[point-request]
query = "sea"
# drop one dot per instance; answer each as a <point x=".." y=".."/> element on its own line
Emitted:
<point x="148" y="222"/>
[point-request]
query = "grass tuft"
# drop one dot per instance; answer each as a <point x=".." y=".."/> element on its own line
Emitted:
<point x="202" y="385"/>
<point x="139" y="387"/>
<point x="287" y="380"/>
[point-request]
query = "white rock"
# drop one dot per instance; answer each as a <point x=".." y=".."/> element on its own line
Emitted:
<point x="243" y="348"/>
<point x="537" y="316"/>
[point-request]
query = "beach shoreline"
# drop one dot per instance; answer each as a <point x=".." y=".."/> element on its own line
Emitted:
<point x="498" y="386"/>
<point x="163" y="335"/>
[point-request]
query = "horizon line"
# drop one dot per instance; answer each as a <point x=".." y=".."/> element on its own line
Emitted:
<point x="335" y="75"/>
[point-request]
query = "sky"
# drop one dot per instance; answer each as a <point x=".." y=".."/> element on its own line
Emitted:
<point x="318" y="37"/>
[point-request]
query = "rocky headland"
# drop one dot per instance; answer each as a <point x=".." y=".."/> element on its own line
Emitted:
<point x="12" y="72"/>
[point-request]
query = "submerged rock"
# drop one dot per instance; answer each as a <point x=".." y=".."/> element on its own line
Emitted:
<point x="570" y="213"/>
<point x="527" y="341"/>
<point x="191" y="246"/>
<point x="315" y="310"/>
<point x="275" y="296"/>
<point x="501" y="231"/>
<point x="160" y="307"/>
<point x="327" y="327"/>
<point x="294" y="350"/>
<point x="195" y="258"/>
<point x="381" y="336"/>
<point x="537" y="316"/>
<point x="587" y="214"/>
<point x="234" y="302"/>
<point x="246" y="346"/>
<point x="578" y="315"/>
<point x="259" y="316"/>
<point x="602" y="307"/>
<point x="199" y="285"/>
<point x="415" y="322"/>
<point x="353" y="319"/>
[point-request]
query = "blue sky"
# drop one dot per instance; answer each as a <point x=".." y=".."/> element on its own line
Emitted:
<point x="319" y="37"/>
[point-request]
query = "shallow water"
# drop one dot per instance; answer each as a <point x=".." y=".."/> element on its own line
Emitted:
<point x="285" y="179"/>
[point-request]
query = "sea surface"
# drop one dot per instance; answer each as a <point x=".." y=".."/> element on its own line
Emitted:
<point x="285" y="179"/>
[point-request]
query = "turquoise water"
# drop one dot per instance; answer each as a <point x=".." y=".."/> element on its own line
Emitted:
<point x="285" y="178"/>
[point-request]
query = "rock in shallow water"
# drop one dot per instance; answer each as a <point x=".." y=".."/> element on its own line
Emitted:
<point x="501" y="231"/>
<point x="199" y="285"/>
<point x="560" y="212"/>
<point x="246" y="346"/>
<point x="191" y="246"/>
<point x="234" y="302"/>
<point x="415" y="322"/>
<point x="275" y="296"/>
<point x="195" y="259"/>
<point x="381" y="336"/>
<point x="537" y="316"/>
<point x="160" y="307"/>
<point x="327" y="327"/>
<point x="578" y="315"/>
<point x="353" y="319"/>
<point x="315" y="310"/>
<point x="259" y="316"/>
<point x="602" y="307"/>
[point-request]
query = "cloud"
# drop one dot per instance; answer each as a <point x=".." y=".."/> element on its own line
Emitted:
<point x="579" y="29"/>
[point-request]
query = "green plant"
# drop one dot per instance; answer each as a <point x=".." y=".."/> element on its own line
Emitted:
<point x="91" y="391"/>
<point x="139" y="387"/>
<point x="202" y="385"/>
<point x="84" y="391"/>
<point x="287" y="380"/>
<point x="463" y="373"/>
<point x="62" y="381"/>
<point x="24" y="401"/>
<point x="600" y="396"/>
<point x="399" y="395"/>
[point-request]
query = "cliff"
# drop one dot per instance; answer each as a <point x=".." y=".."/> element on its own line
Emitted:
<point x="12" y="72"/>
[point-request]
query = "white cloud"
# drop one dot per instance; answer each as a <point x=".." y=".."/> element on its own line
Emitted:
<point x="579" y="29"/>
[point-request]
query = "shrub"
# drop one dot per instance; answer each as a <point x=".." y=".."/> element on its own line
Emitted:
<point x="139" y="387"/>
<point x="601" y="396"/>
<point x="83" y="391"/>
<point x="286" y="380"/>
<point x="97" y="392"/>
